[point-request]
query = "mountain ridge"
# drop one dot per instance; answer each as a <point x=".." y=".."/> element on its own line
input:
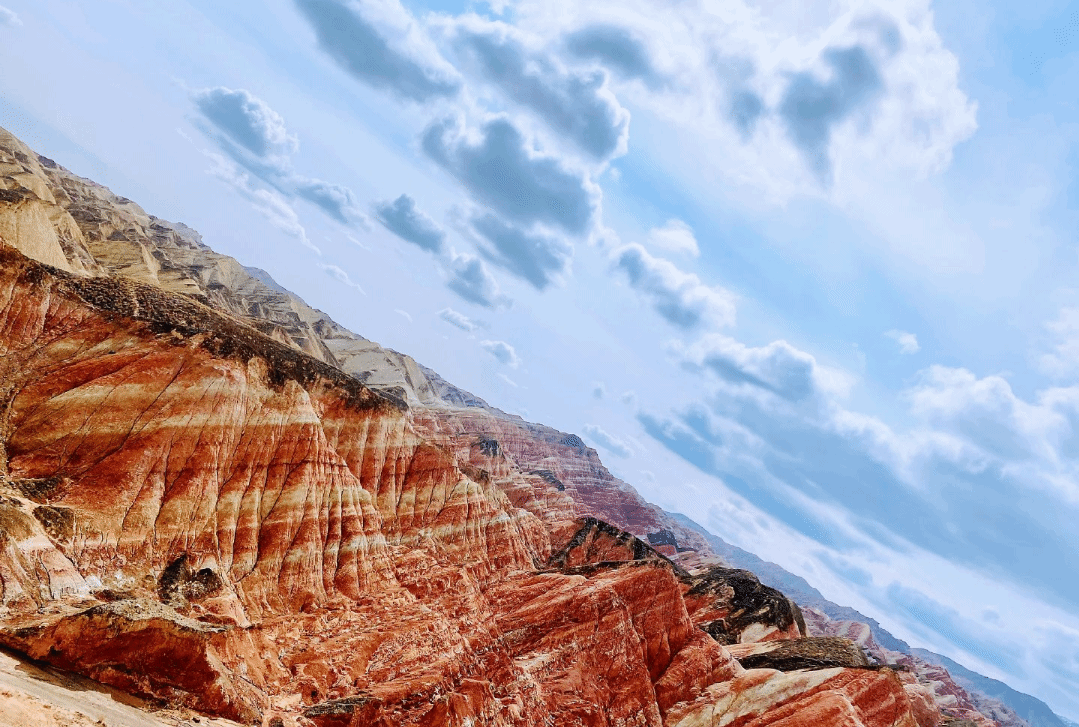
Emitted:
<point x="418" y="482"/>
<point x="1031" y="709"/>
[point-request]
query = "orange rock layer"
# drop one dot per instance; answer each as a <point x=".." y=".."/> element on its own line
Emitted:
<point x="195" y="512"/>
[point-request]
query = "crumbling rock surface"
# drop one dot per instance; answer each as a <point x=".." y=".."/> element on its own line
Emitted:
<point x="814" y="652"/>
<point x="733" y="606"/>
<point x="148" y="649"/>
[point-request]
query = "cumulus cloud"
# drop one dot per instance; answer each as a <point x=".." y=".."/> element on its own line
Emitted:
<point x="774" y="430"/>
<point x="680" y="297"/>
<point x="853" y="85"/>
<point x="986" y="412"/>
<point x="811" y="108"/>
<point x="500" y="169"/>
<point x="536" y="257"/>
<point x="908" y="342"/>
<point x="674" y="237"/>
<point x="382" y="45"/>
<point x="457" y="319"/>
<point x="599" y="390"/>
<point x="335" y="200"/>
<point x="404" y="219"/>
<point x="502" y="351"/>
<point x="247" y="121"/>
<point x="9" y="17"/>
<point x="611" y="443"/>
<point x="576" y="104"/>
<point x="341" y="276"/>
<point x="470" y="279"/>
<point x="778" y="368"/>
<point x="616" y="47"/>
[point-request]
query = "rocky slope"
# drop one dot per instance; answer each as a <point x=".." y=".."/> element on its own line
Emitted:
<point x="991" y="698"/>
<point x="213" y="496"/>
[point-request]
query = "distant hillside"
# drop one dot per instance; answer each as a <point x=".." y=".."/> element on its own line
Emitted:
<point x="1032" y="709"/>
<point x="794" y="586"/>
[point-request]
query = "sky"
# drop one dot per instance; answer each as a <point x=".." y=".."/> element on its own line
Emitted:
<point x="803" y="270"/>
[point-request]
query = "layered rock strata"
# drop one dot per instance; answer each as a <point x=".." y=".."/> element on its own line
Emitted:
<point x="212" y="495"/>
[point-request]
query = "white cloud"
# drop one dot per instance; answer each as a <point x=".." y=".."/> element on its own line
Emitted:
<point x="460" y="320"/>
<point x="255" y="137"/>
<point x="908" y="342"/>
<point x="539" y="258"/>
<point x="473" y="282"/>
<point x="1063" y="361"/>
<point x="341" y="276"/>
<point x="674" y="237"/>
<point x="502" y="351"/>
<point x="381" y="44"/>
<point x="247" y="120"/>
<point x="9" y="17"/>
<point x="611" y="443"/>
<point x="501" y="168"/>
<point x="778" y="368"/>
<point x="575" y="104"/>
<point x="680" y="297"/>
<point x="987" y="413"/>
<point x="740" y="85"/>
<point x="599" y="390"/>
<point x="403" y="218"/>
<point x="268" y="203"/>
<point x="404" y="314"/>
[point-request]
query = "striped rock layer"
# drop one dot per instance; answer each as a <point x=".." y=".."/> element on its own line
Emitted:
<point x="212" y="495"/>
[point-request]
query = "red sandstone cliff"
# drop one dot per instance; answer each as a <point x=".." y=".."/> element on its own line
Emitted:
<point x="213" y="495"/>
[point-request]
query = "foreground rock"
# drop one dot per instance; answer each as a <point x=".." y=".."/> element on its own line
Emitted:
<point x="147" y="649"/>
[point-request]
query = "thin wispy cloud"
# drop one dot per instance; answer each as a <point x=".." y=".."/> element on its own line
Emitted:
<point x="268" y="203"/>
<point x="341" y="276"/>
<point x="458" y="320"/>
<point x="607" y="441"/>
<point x="255" y="137"/>
<point x="9" y="17"/>
<point x="908" y="342"/>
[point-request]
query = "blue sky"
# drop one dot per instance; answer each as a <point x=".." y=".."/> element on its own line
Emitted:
<point x="804" y="271"/>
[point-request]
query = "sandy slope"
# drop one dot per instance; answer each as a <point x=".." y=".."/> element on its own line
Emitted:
<point x="31" y="696"/>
